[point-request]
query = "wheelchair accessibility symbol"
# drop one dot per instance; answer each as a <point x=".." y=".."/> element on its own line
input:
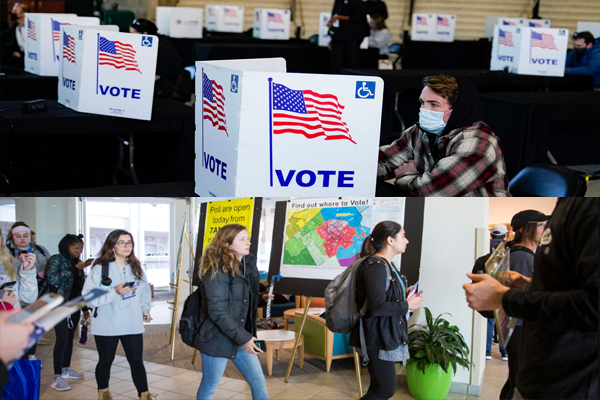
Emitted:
<point x="146" y="41"/>
<point x="234" y="83"/>
<point x="80" y="34"/>
<point x="365" y="90"/>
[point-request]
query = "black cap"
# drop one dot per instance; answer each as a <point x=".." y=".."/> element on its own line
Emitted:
<point x="525" y="217"/>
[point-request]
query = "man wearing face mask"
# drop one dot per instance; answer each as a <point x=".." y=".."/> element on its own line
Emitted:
<point x="584" y="59"/>
<point x="450" y="151"/>
<point x="13" y="39"/>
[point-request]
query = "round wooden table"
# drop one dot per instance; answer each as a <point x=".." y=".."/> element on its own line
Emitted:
<point x="278" y="340"/>
<point x="289" y="314"/>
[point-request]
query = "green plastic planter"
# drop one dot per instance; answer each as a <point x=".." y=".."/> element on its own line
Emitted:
<point x="433" y="385"/>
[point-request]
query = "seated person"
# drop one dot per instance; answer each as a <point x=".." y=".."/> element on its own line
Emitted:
<point x="450" y="151"/>
<point x="584" y="59"/>
<point x="168" y="62"/>
<point x="380" y="36"/>
<point x="13" y="39"/>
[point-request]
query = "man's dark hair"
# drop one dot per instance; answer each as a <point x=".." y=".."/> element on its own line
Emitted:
<point x="144" y="26"/>
<point x="587" y="36"/>
<point x="443" y="85"/>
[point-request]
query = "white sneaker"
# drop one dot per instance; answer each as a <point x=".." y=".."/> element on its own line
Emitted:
<point x="68" y="373"/>
<point x="32" y="358"/>
<point x="59" y="383"/>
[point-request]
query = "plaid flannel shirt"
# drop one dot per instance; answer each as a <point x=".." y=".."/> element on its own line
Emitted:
<point x="470" y="163"/>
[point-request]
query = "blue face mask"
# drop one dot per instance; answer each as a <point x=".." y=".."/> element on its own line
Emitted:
<point x="432" y="121"/>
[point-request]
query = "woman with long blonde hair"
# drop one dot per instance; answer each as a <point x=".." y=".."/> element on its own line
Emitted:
<point x="230" y="299"/>
<point x="12" y="271"/>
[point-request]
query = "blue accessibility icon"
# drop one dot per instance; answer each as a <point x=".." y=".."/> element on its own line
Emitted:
<point x="147" y="41"/>
<point x="365" y="90"/>
<point x="234" y="83"/>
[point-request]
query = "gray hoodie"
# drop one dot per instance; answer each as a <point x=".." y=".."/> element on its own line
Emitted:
<point x="26" y="288"/>
<point x="117" y="316"/>
<point x="40" y="256"/>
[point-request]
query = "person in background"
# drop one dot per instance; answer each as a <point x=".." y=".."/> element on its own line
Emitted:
<point x="13" y="39"/>
<point x="584" y="59"/>
<point x="385" y="323"/>
<point x="376" y="7"/>
<point x="23" y="273"/>
<point x="120" y="314"/>
<point x="380" y="36"/>
<point x="168" y="62"/>
<point x="230" y="301"/>
<point x="348" y="27"/>
<point x="64" y="272"/>
<point x="558" y="353"/>
<point x="498" y="235"/>
<point x="13" y="340"/>
<point x="450" y="151"/>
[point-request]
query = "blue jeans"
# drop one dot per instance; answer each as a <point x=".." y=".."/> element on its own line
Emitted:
<point x="248" y="364"/>
<point x="490" y="335"/>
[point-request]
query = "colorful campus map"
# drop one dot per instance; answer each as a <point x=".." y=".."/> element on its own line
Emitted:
<point x="325" y="237"/>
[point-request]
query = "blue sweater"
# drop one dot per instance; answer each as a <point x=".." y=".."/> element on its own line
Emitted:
<point x="589" y="64"/>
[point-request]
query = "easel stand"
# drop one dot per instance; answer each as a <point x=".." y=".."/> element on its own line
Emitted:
<point x="176" y="286"/>
<point x="357" y="364"/>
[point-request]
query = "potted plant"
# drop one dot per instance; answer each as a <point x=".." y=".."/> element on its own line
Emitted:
<point x="435" y="350"/>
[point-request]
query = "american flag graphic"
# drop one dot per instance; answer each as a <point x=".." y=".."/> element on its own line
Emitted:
<point x="505" y="38"/>
<point x="442" y="21"/>
<point x="508" y="23"/>
<point x="308" y="113"/>
<point x="69" y="47"/>
<point x="421" y="20"/>
<point x="213" y="103"/>
<point x="117" y="54"/>
<point x="534" y="24"/>
<point x="31" y="30"/>
<point x="274" y="17"/>
<point x="543" y="40"/>
<point x="56" y="29"/>
<point x="230" y="12"/>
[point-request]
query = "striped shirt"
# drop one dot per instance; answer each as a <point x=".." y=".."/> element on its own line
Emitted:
<point x="470" y="163"/>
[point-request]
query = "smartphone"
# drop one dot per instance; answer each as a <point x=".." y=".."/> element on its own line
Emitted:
<point x="22" y="252"/>
<point x="37" y="309"/>
<point x="145" y="317"/>
<point x="8" y="285"/>
<point x="261" y="344"/>
<point x="129" y="284"/>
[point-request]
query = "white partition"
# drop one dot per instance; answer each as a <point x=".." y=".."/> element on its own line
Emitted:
<point x="537" y="23"/>
<point x="324" y="37"/>
<point x="543" y="51"/>
<point x="592" y="27"/>
<point x="433" y="27"/>
<point x="179" y="22"/>
<point x="224" y="18"/>
<point x="270" y="23"/>
<point x="301" y="134"/>
<point x="107" y="72"/>
<point x="505" y="48"/>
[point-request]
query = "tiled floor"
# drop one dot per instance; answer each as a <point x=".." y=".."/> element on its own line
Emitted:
<point x="171" y="383"/>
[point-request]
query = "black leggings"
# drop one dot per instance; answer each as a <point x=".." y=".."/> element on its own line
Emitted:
<point x="134" y="347"/>
<point x="383" y="378"/>
<point x="513" y="363"/>
<point x="63" y="348"/>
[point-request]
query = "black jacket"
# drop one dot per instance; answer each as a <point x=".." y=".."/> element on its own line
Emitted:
<point x="4" y="375"/>
<point x="229" y="310"/>
<point x="8" y="41"/>
<point x="357" y="27"/>
<point x="384" y="322"/>
<point x="558" y="354"/>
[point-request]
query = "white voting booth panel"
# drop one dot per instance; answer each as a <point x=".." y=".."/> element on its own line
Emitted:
<point x="270" y="23"/>
<point x="491" y="22"/>
<point x="537" y="23"/>
<point x="505" y="48"/>
<point x="543" y="51"/>
<point x="224" y="18"/>
<point x="107" y="72"/>
<point x="179" y="22"/>
<point x="592" y="27"/>
<point x="433" y="27"/>
<point x="262" y="131"/>
<point x="324" y="37"/>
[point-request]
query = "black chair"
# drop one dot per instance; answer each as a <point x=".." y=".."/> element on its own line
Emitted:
<point x="314" y="39"/>
<point x="547" y="180"/>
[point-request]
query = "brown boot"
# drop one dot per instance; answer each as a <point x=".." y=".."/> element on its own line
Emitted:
<point x="104" y="394"/>
<point x="147" y="396"/>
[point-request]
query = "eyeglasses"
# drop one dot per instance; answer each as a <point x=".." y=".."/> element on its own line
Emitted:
<point x="125" y="244"/>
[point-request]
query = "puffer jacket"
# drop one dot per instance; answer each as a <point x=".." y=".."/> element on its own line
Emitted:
<point x="229" y="310"/>
<point x="60" y="275"/>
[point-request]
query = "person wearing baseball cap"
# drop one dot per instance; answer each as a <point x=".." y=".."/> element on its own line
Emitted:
<point x="523" y="218"/>
<point x="498" y="234"/>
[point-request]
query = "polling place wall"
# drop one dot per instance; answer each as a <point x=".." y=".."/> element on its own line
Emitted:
<point x="448" y="253"/>
<point x="502" y="209"/>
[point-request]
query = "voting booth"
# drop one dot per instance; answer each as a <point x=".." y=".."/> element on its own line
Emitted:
<point x="324" y="37"/>
<point x="505" y="48"/>
<point x="301" y="134"/>
<point x="179" y="22"/>
<point x="42" y="43"/>
<point x="491" y="22"/>
<point x="224" y="18"/>
<point x="592" y="27"/>
<point x="107" y="72"/>
<point x="270" y="23"/>
<point x="542" y="51"/>
<point x="433" y="27"/>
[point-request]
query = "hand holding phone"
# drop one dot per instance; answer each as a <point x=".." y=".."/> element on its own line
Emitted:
<point x="252" y="348"/>
<point x="129" y="284"/>
<point x="147" y="317"/>
<point x="122" y="289"/>
<point x="261" y="344"/>
<point x="28" y="259"/>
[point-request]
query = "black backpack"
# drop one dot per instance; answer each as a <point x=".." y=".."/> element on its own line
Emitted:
<point x="189" y="323"/>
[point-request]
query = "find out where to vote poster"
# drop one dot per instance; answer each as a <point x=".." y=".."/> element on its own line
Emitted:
<point x="221" y="213"/>
<point x="323" y="236"/>
<point x="108" y="73"/>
